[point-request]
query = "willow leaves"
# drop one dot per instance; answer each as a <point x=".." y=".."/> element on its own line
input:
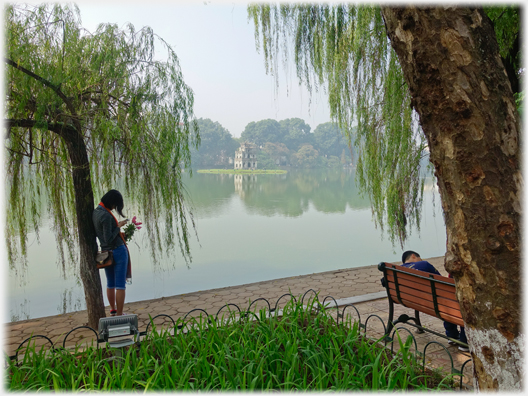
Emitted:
<point x="121" y="89"/>
<point x="344" y="49"/>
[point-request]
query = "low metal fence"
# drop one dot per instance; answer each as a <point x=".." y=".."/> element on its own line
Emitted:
<point x="238" y="314"/>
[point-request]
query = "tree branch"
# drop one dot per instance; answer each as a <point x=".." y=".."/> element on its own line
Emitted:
<point x="55" y="88"/>
<point x="126" y="104"/>
<point x="65" y="131"/>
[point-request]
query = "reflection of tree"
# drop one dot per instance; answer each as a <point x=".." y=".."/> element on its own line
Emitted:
<point x="69" y="302"/>
<point x="21" y="313"/>
<point x="337" y="191"/>
<point x="209" y="193"/>
<point x="328" y="190"/>
<point x="276" y="194"/>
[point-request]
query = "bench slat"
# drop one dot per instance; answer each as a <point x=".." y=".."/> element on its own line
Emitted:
<point x="409" y="282"/>
<point x="420" y="280"/>
<point x="405" y="298"/>
<point x="428" y="311"/>
<point x="442" y="301"/>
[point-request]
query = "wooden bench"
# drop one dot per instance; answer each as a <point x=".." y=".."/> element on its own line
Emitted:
<point x="424" y="292"/>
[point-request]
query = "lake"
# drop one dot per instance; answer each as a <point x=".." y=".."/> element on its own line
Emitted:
<point x="251" y="228"/>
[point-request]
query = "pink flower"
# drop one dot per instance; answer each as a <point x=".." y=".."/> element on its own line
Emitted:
<point x="135" y="222"/>
<point x="138" y="228"/>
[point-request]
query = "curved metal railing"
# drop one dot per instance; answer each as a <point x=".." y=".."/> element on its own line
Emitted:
<point x="182" y="322"/>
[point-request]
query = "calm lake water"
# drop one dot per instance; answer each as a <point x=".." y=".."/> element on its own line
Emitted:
<point x="250" y="229"/>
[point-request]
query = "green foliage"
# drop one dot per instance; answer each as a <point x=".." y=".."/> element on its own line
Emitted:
<point x="273" y="155"/>
<point x="306" y="157"/>
<point x="216" y="146"/>
<point x="330" y="161"/>
<point x="292" y="132"/>
<point x="329" y="140"/>
<point x="282" y="143"/>
<point x="345" y="48"/>
<point x="303" y="349"/>
<point x="295" y="133"/>
<point x="262" y="131"/>
<point x="265" y="161"/>
<point x="134" y="113"/>
<point x="506" y="22"/>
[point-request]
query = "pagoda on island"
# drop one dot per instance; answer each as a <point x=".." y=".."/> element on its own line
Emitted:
<point x="246" y="156"/>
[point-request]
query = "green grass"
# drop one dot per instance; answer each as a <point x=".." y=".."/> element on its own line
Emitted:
<point x="243" y="171"/>
<point x="302" y="350"/>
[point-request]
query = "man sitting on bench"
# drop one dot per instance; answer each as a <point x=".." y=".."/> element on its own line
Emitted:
<point x="413" y="260"/>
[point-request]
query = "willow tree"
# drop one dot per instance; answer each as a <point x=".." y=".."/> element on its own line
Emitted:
<point x="418" y="80"/>
<point x="87" y="112"/>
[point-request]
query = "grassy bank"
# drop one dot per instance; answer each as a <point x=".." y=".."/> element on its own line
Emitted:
<point x="244" y="171"/>
<point x="304" y="349"/>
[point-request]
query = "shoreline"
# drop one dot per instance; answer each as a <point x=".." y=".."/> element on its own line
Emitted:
<point x="342" y="284"/>
<point x="435" y="261"/>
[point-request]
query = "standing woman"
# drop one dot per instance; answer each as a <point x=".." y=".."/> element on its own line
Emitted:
<point x="107" y="229"/>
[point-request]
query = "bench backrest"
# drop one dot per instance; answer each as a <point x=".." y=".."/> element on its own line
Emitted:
<point x="428" y="293"/>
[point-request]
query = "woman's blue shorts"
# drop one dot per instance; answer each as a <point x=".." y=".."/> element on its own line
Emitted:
<point x="116" y="274"/>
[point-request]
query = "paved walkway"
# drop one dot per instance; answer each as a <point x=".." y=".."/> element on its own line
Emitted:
<point x="360" y="286"/>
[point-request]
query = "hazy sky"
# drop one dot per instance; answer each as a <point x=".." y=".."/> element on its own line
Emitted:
<point x="216" y="47"/>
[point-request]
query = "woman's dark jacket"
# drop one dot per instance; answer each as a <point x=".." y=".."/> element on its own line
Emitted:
<point x="106" y="229"/>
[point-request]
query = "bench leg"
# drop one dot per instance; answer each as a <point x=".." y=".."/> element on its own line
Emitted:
<point x="417" y="316"/>
<point x="390" y="325"/>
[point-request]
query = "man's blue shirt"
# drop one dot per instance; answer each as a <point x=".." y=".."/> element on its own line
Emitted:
<point x="422" y="266"/>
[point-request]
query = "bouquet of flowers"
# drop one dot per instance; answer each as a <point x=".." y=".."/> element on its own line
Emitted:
<point x="131" y="228"/>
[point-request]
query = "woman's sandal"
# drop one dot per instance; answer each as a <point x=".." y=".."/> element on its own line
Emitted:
<point x="113" y="312"/>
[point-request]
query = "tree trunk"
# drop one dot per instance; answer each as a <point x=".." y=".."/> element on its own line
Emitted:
<point x="460" y="89"/>
<point x="84" y="206"/>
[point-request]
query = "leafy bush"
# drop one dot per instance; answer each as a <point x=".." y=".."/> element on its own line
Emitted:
<point x="303" y="349"/>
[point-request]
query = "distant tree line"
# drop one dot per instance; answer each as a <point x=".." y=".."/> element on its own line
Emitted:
<point x="289" y="142"/>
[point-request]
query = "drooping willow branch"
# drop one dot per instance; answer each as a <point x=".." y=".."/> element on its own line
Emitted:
<point x="54" y="87"/>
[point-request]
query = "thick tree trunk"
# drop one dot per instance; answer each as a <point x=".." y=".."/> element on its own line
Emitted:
<point x="460" y="89"/>
<point x="84" y="206"/>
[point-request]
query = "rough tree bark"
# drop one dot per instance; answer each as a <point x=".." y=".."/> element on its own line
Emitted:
<point x="83" y="192"/>
<point x="460" y="89"/>
<point x="84" y="206"/>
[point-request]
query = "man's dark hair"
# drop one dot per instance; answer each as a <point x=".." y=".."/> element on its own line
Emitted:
<point x="405" y="255"/>
<point x="113" y="198"/>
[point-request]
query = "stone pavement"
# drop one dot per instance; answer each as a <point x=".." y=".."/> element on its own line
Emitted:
<point x="360" y="286"/>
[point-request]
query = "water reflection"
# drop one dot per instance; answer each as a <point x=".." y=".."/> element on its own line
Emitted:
<point x="69" y="301"/>
<point x="289" y="195"/>
<point x="244" y="183"/>
<point x="21" y="312"/>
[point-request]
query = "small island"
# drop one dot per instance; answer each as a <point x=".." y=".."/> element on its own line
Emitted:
<point x="244" y="171"/>
<point x="245" y="163"/>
